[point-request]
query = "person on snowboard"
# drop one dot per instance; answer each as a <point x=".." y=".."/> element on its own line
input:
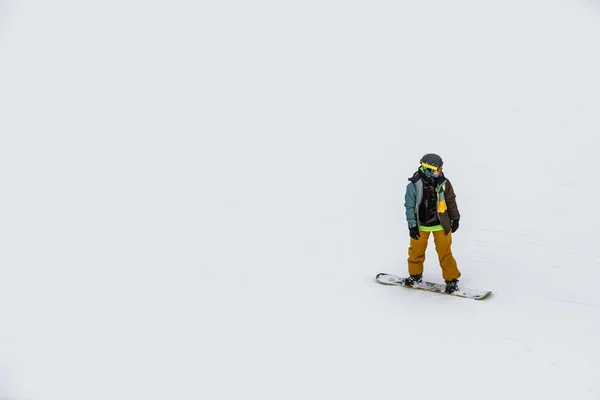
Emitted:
<point x="431" y="207"/>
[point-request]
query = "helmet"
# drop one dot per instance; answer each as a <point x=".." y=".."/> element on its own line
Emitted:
<point x="431" y="165"/>
<point x="432" y="160"/>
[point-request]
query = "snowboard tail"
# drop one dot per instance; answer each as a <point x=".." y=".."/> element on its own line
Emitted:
<point x="393" y="280"/>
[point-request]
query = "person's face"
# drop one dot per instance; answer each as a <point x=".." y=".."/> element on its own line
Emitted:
<point x="435" y="172"/>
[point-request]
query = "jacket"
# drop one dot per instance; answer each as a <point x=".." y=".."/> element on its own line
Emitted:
<point x="447" y="208"/>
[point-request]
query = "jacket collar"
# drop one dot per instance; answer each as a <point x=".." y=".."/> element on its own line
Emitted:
<point x="440" y="180"/>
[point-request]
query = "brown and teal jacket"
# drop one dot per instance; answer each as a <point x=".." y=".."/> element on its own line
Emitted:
<point x="446" y="208"/>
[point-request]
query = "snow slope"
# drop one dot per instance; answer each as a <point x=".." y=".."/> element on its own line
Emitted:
<point x="197" y="196"/>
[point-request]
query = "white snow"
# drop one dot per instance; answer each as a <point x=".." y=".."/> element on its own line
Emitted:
<point x="197" y="196"/>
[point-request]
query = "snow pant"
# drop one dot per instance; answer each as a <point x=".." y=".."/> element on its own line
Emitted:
<point x="443" y="244"/>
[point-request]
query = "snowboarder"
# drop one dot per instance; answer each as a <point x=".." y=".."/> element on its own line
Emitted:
<point x="430" y="204"/>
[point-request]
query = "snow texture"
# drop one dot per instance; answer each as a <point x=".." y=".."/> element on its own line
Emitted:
<point x="196" y="197"/>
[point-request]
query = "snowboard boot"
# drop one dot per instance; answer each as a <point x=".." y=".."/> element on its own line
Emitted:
<point x="410" y="281"/>
<point x="452" y="286"/>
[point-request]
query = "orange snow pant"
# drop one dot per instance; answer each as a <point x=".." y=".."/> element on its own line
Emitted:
<point x="443" y="244"/>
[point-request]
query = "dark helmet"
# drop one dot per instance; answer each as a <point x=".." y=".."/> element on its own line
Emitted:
<point x="433" y="160"/>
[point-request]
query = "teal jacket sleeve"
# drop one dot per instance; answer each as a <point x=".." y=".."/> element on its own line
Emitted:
<point x="410" y="202"/>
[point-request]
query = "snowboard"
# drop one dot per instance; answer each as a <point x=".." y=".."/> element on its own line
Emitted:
<point x="475" y="294"/>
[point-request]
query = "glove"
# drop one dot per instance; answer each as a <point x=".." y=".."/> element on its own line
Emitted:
<point x="414" y="232"/>
<point x="454" y="226"/>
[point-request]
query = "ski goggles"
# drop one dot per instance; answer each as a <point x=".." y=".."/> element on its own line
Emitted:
<point x="431" y="167"/>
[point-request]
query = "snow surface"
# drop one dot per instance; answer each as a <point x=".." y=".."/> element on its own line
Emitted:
<point x="197" y="196"/>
